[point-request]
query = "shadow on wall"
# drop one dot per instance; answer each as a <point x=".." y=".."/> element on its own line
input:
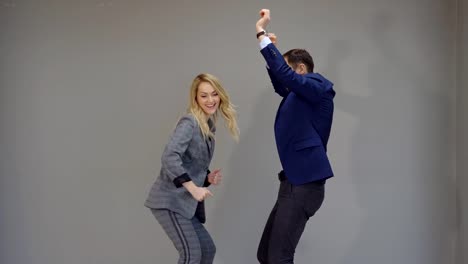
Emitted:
<point x="398" y="159"/>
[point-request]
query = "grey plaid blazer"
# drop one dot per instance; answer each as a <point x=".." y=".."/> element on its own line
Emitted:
<point x="186" y="157"/>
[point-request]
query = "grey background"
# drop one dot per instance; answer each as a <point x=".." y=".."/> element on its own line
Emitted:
<point x="91" y="90"/>
<point x="462" y="131"/>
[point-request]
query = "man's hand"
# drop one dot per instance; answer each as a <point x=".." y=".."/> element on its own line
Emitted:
<point x="262" y="23"/>
<point x="272" y="37"/>
<point x="215" y="177"/>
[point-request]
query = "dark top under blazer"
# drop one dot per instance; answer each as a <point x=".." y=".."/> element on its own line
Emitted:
<point x="186" y="157"/>
<point x="303" y="120"/>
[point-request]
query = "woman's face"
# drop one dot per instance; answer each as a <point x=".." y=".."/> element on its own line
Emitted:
<point x="207" y="98"/>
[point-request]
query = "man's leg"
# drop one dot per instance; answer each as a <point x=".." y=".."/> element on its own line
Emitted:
<point x="296" y="204"/>
<point x="262" y="252"/>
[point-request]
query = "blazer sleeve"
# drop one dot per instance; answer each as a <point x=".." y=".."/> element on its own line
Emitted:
<point x="279" y="88"/>
<point x="172" y="156"/>
<point x="309" y="88"/>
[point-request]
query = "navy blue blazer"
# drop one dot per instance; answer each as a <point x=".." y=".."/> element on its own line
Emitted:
<point x="303" y="120"/>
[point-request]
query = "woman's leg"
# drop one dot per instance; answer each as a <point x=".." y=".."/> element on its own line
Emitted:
<point x="207" y="245"/>
<point x="183" y="235"/>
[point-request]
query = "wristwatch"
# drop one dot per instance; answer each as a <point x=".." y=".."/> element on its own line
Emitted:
<point x="261" y="33"/>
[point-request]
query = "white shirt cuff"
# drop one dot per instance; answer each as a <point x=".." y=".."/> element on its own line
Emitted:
<point x="265" y="41"/>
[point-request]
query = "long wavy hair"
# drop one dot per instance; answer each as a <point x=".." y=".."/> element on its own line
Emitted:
<point x="225" y="108"/>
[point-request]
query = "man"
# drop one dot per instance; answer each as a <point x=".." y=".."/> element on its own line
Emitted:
<point x="302" y="128"/>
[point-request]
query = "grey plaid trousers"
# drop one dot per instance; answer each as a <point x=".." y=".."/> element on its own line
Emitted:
<point x="189" y="236"/>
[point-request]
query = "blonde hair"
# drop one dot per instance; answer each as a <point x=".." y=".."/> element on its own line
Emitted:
<point x="226" y="108"/>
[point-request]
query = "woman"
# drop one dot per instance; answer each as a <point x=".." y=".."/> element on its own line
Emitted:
<point x="177" y="197"/>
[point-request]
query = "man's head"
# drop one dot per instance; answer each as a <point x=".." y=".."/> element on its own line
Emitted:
<point x="299" y="60"/>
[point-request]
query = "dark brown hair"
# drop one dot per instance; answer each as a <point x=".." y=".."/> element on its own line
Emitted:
<point x="296" y="56"/>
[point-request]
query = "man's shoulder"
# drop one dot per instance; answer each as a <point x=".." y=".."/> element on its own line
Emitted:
<point x="317" y="76"/>
<point x="323" y="81"/>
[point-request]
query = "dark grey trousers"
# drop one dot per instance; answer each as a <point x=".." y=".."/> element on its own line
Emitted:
<point x="189" y="236"/>
<point x="286" y="223"/>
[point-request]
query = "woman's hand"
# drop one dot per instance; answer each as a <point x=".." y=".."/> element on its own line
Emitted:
<point x="215" y="177"/>
<point x="201" y="193"/>
<point x="198" y="193"/>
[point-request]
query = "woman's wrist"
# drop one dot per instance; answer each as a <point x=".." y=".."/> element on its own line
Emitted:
<point x="190" y="186"/>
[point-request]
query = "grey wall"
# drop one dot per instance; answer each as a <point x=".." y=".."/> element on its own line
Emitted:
<point x="91" y="90"/>
<point x="462" y="131"/>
